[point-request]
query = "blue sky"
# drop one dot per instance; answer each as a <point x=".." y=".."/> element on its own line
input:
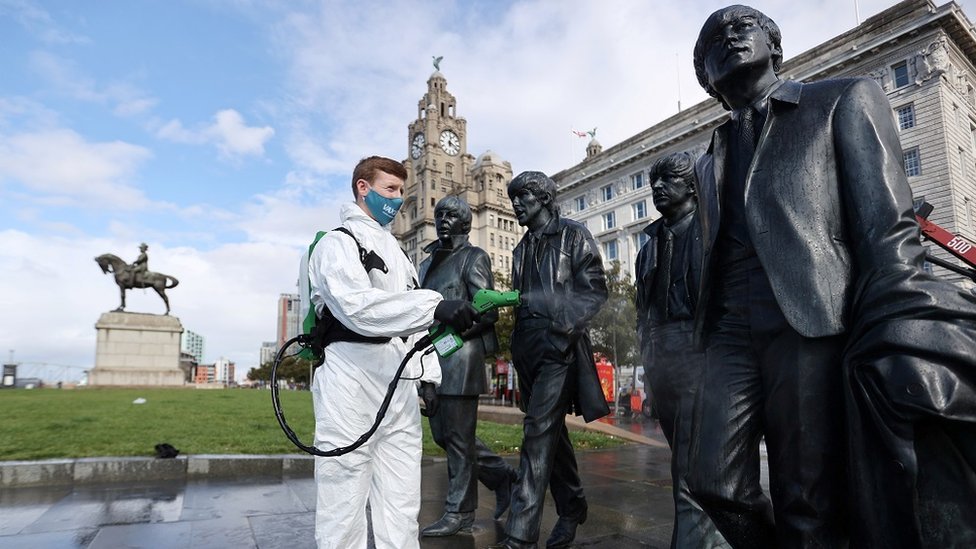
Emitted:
<point x="222" y="132"/>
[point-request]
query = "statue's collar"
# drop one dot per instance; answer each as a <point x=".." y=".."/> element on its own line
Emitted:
<point x="457" y="241"/>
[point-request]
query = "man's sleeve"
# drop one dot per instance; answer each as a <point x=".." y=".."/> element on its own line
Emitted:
<point x="340" y="283"/>
<point x="479" y="277"/>
<point x="589" y="282"/>
<point x="877" y="199"/>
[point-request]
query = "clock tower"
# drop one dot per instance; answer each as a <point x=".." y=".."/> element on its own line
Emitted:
<point x="439" y="165"/>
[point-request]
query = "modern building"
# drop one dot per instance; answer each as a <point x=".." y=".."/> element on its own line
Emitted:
<point x="188" y="363"/>
<point x="439" y="165"/>
<point x="268" y="351"/>
<point x="192" y="343"/>
<point x="204" y="373"/>
<point x="288" y="320"/>
<point x="224" y="371"/>
<point x="923" y="55"/>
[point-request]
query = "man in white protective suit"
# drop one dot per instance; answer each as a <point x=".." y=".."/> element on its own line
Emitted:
<point x="367" y="283"/>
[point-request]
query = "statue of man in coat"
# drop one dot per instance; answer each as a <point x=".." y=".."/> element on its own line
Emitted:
<point x="668" y="273"/>
<point x="559" y="272"/>
<point x="813" y="292"/>
<point x="457" y="270"/>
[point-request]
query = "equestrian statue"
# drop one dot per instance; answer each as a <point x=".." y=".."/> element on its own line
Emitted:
<point x="136" y="275"/>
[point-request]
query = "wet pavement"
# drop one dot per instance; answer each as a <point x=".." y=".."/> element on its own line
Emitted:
<point x="628" y="490"/>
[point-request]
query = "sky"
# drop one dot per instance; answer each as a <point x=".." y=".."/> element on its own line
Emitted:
<point x="223" y="133"/>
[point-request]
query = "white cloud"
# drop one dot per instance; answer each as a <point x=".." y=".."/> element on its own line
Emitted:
<point x="39" y="22"/>
<point x="228" y="132"/>
<point x="126" y="98"/>
<point x="61" y="166"/>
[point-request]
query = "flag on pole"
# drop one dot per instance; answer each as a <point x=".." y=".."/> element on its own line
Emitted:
<point x="579" y="134"/>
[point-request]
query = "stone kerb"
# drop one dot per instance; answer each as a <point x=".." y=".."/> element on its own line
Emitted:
<point x="83" y="471"/>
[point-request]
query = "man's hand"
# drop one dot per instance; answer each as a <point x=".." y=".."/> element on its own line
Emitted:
<point x="457" y="314"/>
<point x="428" y="393"/>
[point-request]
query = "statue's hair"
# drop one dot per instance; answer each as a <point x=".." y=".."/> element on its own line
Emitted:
<point x="723" y="17"/>
<point x="680" y="164"/>
<point x="368" y="167"/>
<point x="539" y="184"/>
<point x="461" y="207"/>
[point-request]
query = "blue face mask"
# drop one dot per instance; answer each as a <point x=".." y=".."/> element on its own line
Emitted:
<point x="383" y="209"/>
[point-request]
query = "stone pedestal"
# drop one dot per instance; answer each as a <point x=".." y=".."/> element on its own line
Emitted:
<point x="137" y="349"/>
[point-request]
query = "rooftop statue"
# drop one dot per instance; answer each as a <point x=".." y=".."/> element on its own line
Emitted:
<point x="136" y="275"/>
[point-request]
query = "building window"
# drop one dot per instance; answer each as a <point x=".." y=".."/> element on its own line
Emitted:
<point x="962" y="163"/>
<point x="449" y="169"/>
<point x="641" y="238"/>
<point x="610" y="250"/>
<point x="899" y="74"/>
<point x="609" y="220"/>
<point x="913" y="164"/>
<point x="607" y="192"/>
<point x="637" y="181"/>
<point x="906" y="116"/>
<point x="640" y="210"/>
<point x="580" y="203"/>
<point x="432" y="202"/>
<point x="491" y="239"/>
<point x="972" y="138"/>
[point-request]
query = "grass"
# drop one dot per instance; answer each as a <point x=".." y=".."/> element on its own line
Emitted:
<point x="93" y="422"/>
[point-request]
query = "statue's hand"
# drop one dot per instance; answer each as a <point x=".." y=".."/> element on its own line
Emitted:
<point x="428" y="393"/>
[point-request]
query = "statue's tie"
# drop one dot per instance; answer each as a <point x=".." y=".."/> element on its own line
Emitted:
<point x="664" y="272"/>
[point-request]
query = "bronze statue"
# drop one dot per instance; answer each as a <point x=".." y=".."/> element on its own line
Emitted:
<point x="457" y="270"/>
<point x="136" y="275"/>
<point x="813" y="292"/>
<point x="558" y="269"/>
<point x="668" y="273"/>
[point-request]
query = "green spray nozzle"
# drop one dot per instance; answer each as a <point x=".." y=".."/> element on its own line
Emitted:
<point x="486" y="300"/>
<point x="446" y="341"/>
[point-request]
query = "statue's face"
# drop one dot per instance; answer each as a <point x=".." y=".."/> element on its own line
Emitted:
<point x="670" y="192"/>
<point x="527" y="206"/>
<point x="448" y="222"/>
<point x="737" y="45"/>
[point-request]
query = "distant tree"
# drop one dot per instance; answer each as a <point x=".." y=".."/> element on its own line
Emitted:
<point x="614" y="328"/>
<point x="292" y="369"/>
<point x="506" y="320"/>
<point x="260" y="373"/>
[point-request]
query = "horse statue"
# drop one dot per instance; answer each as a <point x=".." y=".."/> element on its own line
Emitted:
<point x="111" y="263"/>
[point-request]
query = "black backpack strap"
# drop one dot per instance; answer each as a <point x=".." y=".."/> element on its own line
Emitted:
<point x="327" y="328"/>
<point x="369" y="259"/>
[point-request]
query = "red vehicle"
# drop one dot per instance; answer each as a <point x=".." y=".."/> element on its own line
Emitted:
<point x="954" y="244"/>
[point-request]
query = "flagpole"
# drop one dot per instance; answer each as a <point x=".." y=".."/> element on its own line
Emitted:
<point x="677" y="75"/>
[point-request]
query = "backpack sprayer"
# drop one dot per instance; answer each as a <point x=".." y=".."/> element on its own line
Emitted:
<point x="441" y="338"/>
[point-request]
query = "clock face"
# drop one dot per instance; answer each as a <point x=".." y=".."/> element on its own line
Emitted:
<point x="450" y="142"/>
<point x="417" y="145"/>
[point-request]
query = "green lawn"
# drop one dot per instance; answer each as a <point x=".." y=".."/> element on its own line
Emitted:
<point x="89" y="422"/>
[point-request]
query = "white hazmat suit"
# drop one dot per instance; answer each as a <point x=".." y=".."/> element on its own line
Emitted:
<point x="350" y="386"/>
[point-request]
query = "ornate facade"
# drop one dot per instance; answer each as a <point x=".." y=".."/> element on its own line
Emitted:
<point x="439" y="165"/>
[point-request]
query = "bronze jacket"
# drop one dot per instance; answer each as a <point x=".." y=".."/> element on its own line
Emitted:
<point x="574" y="289"/>
<point x="458" y="273"/>
<point x="826" y="199"/>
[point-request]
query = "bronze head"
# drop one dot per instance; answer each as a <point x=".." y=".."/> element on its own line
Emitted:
<point x="724" y="42"/>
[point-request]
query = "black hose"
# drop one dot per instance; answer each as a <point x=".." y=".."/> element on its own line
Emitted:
<point x="304" y="342"/>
